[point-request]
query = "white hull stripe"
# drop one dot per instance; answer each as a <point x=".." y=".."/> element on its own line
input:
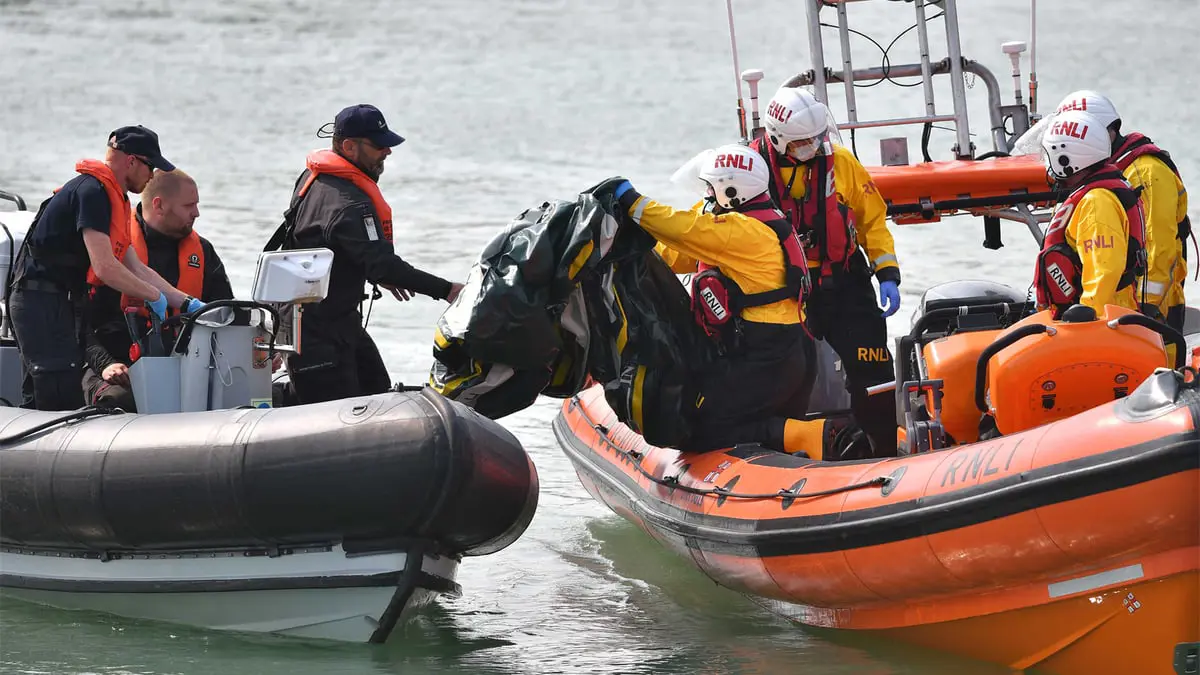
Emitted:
<point x="1093" y="581"/>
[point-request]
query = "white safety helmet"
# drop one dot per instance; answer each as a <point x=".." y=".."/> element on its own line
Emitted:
<point x="733" y="174"/>
<point x="1097" y="105"/>
<point x="1075" y="141"/>
<point x="797" y="124"/>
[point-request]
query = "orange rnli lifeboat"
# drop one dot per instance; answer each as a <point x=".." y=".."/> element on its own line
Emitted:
<point x="1067" y="540"/>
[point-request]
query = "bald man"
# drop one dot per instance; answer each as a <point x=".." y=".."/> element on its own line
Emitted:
<point x="162" y="236"/>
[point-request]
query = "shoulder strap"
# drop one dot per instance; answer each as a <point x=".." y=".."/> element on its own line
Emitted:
<point x="284" y="232"/>
<point x="793" y="275"/>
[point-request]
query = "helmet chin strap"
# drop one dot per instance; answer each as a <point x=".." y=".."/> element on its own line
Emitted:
<point x="1073" y="181"/>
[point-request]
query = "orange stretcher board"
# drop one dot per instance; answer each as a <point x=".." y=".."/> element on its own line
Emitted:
<point x="924" y="192"/>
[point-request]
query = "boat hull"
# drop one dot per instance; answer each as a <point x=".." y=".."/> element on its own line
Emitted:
<point x="326" y="520"/>
<point x="1127" y="628"/>
<point x="316" y="593"/>
<point x="1021" y="550"/>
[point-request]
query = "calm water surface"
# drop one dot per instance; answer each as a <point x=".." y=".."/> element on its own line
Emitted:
<point x="505" y="105"/>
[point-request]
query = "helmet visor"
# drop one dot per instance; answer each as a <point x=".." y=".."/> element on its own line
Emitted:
<point x="805" y="149"/>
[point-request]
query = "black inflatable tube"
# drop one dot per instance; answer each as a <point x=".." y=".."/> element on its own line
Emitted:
<point x="371" y="473"/>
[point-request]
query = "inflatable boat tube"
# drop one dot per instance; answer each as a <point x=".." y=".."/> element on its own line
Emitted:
<point x="370" y="473"/>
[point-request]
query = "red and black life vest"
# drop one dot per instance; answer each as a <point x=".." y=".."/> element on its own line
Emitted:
<point x="717" y="300"/>
<point x="1059" y="274"/>
<point x="825" y="224"/>
<point x="1135" y="145"/>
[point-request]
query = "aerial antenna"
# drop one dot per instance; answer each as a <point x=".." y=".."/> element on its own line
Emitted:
<point x="741" y="109"/>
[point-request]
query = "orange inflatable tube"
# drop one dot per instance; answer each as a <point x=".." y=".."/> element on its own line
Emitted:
<point x="1073" y="546"/>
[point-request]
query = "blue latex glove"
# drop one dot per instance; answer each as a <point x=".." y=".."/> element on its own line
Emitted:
<point x="192" y="305"/>
<point x="622" y="188"/>
<point x="889" y="297"/>
<point x="159" y="306"/>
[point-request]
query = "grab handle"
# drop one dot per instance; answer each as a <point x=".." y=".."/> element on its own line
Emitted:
<point x="1168" y="333"/>
<point x="188" y="320"/>
<point x="1001" y="343"/>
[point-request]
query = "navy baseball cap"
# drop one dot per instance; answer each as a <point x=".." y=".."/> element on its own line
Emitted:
<point x="142" y="142"/>
<point x="364" y="121"/>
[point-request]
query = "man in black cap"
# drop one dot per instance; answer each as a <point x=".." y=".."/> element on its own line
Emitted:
<point x="336" y="204"/>
<point x="80" y="238"/>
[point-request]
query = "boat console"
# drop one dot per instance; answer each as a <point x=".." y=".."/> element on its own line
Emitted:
<point x="220" y="355"/>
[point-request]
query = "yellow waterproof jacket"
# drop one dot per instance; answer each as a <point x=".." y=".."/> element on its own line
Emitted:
<point x="1099" y="233"/>
<point x="856" y="189"/>
<point x="1164" y="200"/>
<point x="744" y="249"/>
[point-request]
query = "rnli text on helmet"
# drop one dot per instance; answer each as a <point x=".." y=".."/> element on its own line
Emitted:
<point x="1074" y="104"/>
<point x="734" y="162"/>
<point x="779" y="112"/>
<point x="1072" y="129"/>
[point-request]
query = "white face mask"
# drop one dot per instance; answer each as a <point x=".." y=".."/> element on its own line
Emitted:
<point x="805" y="149"/>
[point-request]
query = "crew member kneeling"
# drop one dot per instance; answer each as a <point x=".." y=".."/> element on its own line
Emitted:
<point x="1094" y="247"/>
<point x="747" y="295"/>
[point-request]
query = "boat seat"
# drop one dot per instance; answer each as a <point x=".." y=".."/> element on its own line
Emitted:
<point x="1041" y="370"/>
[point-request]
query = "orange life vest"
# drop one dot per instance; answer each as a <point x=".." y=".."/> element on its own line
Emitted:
<point x="191" y="263"/>
<point x="328" y="161"/>
<point x="118" y="226"/>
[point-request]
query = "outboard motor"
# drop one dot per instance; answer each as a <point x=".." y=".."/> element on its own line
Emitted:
<point x="936" y="361"/>
<point x="970" y="293"/>
<point x="222" y="356"/>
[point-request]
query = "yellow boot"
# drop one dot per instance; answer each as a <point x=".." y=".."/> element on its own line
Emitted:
<point x="802" y="437"/>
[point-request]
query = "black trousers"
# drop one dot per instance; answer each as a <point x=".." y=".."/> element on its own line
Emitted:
<point x="748" y="396"/>
<point x="1175" y="317"/>
<point x="336" y="362"/>
<point x="846" y="315"/>
<point x="49" y="329"/>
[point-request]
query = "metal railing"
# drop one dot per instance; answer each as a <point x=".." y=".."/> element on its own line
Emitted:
<point x="954" y="65"/>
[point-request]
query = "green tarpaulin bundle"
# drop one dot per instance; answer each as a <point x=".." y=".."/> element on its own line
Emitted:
<point x="572" y="290"/>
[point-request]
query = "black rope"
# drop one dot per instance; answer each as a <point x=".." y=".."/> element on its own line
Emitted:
<point x="375" y="295"/>
<point x="83" y="413"/>
<point x="893" y="44"/>
<point x="673" y="481"/>
<point x="886" y="62"/>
